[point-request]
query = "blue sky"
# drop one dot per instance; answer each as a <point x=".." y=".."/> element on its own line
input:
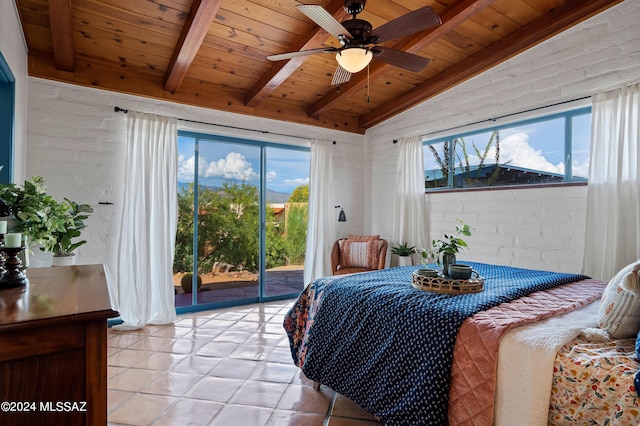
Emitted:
<point x="230" y="162"/>
<point x="537" y="146"/>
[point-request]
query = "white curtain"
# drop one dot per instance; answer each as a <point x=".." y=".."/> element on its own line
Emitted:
<point x="613" y="197"/>
<point x="322" y="214"/>
<point x="410" y="210"/>
<point x="143" y="290"/>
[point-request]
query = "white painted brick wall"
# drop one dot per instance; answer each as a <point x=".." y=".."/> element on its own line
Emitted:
<point x="77" y="143"/>
<point x="536" y="228"/>
<point x="14" y="50"/>
<point x="519" y="227"/>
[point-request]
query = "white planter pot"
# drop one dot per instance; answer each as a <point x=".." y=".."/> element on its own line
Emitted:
<point x="63" y="260"/>
<point x="405" y="261"/>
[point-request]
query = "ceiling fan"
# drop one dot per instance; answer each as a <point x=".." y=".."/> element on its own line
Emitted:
<point x="359" y="41"/>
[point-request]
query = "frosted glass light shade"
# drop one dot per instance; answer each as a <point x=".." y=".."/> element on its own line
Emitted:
<point x="354" y="59"/>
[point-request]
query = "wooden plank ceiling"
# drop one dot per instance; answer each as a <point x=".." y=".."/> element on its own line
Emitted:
<point x="213" y="53"/>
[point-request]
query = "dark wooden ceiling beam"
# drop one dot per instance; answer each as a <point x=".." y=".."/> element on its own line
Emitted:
<point x="451" y="18"/>
<point x="61" y="22"/>
<point x="546" y="26"/>
<point x="106" y="75"/>
<point x="195" y="29"/>
<point x="281" y="70"/>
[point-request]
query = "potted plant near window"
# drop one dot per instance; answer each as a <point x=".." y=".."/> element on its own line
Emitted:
<point x="444" y="250"/>
<point x="404" y="252"/>
<point x="62" y="244"/>
<point x="42" y="219"/>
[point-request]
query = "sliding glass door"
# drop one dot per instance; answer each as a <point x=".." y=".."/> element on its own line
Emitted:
<point x="239" y="238"/>
<point x="287" y="195"/>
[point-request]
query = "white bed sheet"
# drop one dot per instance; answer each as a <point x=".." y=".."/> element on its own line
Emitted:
<point x="525" y="365"/>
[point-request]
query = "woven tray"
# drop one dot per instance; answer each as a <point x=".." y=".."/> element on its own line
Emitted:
<point x="447" y="285"/>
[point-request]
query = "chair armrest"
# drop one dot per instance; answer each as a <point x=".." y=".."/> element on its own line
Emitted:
<point x="382" y="254"/>
<point x="335" y="257"/>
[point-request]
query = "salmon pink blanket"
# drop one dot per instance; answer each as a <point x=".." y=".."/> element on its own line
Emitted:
<point x="475" y="360"/>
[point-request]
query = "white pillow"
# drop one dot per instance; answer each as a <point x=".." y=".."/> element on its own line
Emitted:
<point x="619" y="312"/>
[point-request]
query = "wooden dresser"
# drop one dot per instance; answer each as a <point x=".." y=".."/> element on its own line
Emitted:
<point x="53" y="348"/>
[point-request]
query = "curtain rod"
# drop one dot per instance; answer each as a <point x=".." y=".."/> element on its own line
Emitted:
<point x="489" y="120"/>
<point x="266" y="132"/>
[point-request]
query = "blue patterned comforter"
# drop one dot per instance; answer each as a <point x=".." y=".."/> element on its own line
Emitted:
<point x="389" y="347"/>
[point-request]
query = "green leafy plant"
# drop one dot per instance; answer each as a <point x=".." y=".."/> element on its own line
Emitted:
<point x="403" y="249"/>
<point x="427" y="256"/>
<point x="43" y="219"/>
<point x="228" y="218"/>
<point x="449" y="244"/>
<point x="300" y="194"/>
<point x="62" y="243"/>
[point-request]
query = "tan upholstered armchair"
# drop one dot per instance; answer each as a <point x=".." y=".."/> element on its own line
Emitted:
<point x="358" y="253"/>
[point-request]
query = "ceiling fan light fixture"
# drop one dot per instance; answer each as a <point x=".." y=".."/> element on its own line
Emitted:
<point x="354" y="59"/>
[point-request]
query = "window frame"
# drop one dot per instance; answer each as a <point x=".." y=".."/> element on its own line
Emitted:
<point x="7" y="120"/>
<point x="568" y="117"/>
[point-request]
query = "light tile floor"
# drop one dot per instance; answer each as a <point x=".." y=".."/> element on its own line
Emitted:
<point x="223" y="367"/>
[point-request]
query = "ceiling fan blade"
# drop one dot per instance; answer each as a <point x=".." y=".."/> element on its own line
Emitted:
<point x="400" y="59"/>
<point x="324" y="19"/>
<point x="340" y="76"/>
<point x="411" y="23"/>
<point x="290" y="55"/>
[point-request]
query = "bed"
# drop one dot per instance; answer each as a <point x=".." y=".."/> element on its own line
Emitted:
<point x="414" y="357"/>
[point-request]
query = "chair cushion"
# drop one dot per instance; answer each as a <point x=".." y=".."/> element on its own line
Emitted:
<point x="361" y="238"/>
<point x="359" y="254"/>
<point x="619" y="312"/>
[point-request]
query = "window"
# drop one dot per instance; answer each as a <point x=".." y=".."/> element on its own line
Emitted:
<point x="551" y="149"/>
<point x="7" y="105"/>
<point x="242" y="220"/>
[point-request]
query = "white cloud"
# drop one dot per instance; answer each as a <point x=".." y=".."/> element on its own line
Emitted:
<point x="186" y="168"/>
<point x="271" y="176"/>
<point x="516" y="148"/>
<point x="296" y="182"/>
<point x="581" y="169"/>
<point x="234" y="166"/>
